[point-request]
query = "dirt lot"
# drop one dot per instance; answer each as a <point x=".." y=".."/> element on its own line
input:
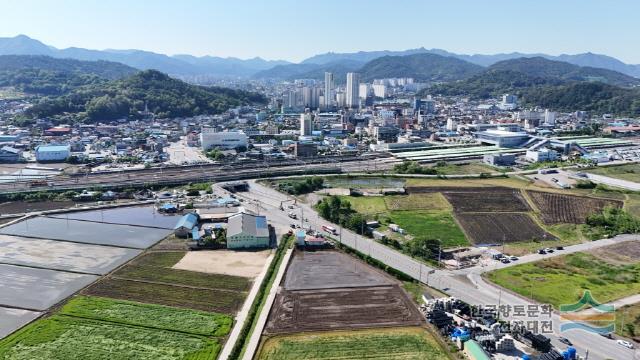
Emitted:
<point x="331" y="269"/>
<point x="559" y="208"/>
<point x="306" y="310"/>
<point x="627" y="252"/>
<point x="494" y="228"/>
<point x="237" y="263"/>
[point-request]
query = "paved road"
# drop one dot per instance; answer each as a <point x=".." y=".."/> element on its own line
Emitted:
<point x="472" y="289"/>
<point x="619" y="183"/>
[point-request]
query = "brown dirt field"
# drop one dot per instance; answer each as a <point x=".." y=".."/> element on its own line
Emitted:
<point x="627" y="252"/>
<point x="310" y="310"/>
<point x="559" y="208"/>
<point x="331" y="269"/>
<point x="479" y="199"/>
<point x="494" y="228"/>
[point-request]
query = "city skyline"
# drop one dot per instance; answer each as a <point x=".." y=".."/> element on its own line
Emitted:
<point x="246" y="29"/>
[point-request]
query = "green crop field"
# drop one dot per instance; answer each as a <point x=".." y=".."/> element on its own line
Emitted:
<point x="465" y="169"/>
<point x="179" y="296"/>
<point x="629" y="172"/>
<point x="366" y="204"/>
<point x="403" y="344"/>
<point x="429" y="201"/>
<point x="183" y="277"/>
<point x="563" y="279"/>
<point x="149" y="315"/>
<point x="65" y="338"/>
<point x="430" y="225"/>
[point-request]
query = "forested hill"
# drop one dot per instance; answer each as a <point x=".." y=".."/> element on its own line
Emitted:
<point x="555" y="85"/>
<point x="551" y="69"/>
<point x="164" y="96"/>
<point x="422" y="67"/>
<point x="43" y="75"/>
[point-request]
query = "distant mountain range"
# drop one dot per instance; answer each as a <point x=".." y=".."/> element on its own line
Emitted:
<point x="190" y="66"/>
<point x="180" y="65"/>
<point x="586" y="59"/>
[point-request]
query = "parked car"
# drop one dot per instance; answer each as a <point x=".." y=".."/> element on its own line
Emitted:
<point x="607" y="335"/>
<point x="542" y="252"/>
<point x="625" y="343"/>
<point x="559" y="247"/>
<point x="564" y="340"/>
<point x="513" y="258"/>
<point x="505" y="261"/>
<point x="548" y="250"/>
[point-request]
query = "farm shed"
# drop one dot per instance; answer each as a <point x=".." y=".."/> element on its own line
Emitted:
<point x="185" y="225"/>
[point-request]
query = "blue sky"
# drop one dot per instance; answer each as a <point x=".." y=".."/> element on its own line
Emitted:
<point x="296" y="29"/>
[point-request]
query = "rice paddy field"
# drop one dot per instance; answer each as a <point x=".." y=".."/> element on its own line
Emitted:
<point x="391" y="343"/>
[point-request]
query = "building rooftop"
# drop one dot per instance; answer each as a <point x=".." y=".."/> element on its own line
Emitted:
<point x="52" y="148"/>
<point x="254" y="225"/>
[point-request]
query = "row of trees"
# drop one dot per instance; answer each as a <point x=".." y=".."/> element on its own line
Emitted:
<point x="299" y="187"/>
<point x="613" y="221"/>
<point x="339" y="211"/>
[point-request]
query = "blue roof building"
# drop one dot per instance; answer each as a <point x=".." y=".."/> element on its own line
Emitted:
<point x="186" y="224"/>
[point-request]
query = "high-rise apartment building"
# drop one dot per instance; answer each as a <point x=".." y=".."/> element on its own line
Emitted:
<point x="328" y="89"/>
<point x="306" y="123"/>
<point x="353" y="90"/>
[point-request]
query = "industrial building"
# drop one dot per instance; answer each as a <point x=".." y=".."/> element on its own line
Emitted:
<point x="499" y="159"/>
<point x="247" y="231"/>
<point x="503" y="138"/>
<point x="48" y="153"/>
<point x="211" y="138"/>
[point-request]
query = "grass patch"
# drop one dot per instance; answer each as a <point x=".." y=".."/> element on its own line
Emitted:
<point x="366" y="204"/>
<point x="628" y="321"/>
<point x="64" y="337"/>
<point x="415" y="290"/>
<point x="178" y="296"/>
<point x="148" y="315"/>
<point x="465" y="169"/>
<point x="514" y="182"/>
<point x="430" y="225"/>
<point x="563" y="279"/>
<point x="405" y="343"/>
<point x="159" y="258"/>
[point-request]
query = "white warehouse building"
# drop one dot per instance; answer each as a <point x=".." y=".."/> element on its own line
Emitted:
<point x="210" y="138"/>
<point x="52" y="152"/>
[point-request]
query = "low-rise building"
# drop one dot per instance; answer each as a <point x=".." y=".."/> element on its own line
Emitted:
<point x="184" y="227"/>
<point x="9" y="154"/>
<point x="47" y="153"/>
<point x="247" y="231"/>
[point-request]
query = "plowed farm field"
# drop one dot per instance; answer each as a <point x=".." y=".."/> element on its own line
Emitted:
<point x="493" y="228"/>
<point x="559" y="208"/>
<point x="478" y="199"/>
<point x="328" y="309"/>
